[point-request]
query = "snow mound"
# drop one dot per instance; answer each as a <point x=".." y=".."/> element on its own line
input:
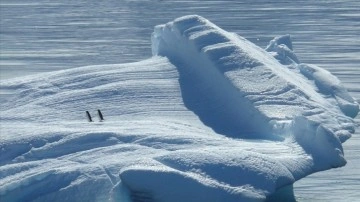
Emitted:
<point x="211" y="117"/>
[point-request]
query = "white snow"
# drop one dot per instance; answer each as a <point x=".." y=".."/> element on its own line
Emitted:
<point x="210" y="117"/>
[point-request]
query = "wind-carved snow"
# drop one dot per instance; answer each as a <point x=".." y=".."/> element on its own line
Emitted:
<point x="211" y="118"/>
<point x="266" y="98"/>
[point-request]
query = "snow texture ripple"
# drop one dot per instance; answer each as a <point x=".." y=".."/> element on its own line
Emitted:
<point x="210" y="117"/>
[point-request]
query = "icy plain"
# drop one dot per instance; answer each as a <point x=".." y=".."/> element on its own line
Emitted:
<point x="210" y="117"/>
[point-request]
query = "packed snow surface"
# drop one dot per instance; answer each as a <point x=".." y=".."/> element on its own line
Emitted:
<point x="210" y="117"/>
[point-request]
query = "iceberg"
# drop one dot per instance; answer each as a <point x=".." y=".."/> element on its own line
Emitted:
<point x="210" y="117"/>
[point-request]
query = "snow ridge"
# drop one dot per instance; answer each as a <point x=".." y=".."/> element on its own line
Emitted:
<point x="266" y="98"/>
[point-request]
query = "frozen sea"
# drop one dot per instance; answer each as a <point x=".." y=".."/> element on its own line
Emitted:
<point x="44" y="35"/>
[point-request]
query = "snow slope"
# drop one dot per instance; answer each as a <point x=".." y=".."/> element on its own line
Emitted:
<point x="211" y="117"/>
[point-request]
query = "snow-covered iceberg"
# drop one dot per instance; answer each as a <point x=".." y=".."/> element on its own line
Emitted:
<point x="210" y="117"/>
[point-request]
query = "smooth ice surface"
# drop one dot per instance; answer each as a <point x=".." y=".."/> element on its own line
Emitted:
<point x="202" y="125"/>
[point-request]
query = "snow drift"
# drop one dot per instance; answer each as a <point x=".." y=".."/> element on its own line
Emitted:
<point x="211" y="117"/>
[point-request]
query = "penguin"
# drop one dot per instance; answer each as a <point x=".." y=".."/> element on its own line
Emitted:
<point x="88" y="116"/>
<point x="100" y="115"/>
